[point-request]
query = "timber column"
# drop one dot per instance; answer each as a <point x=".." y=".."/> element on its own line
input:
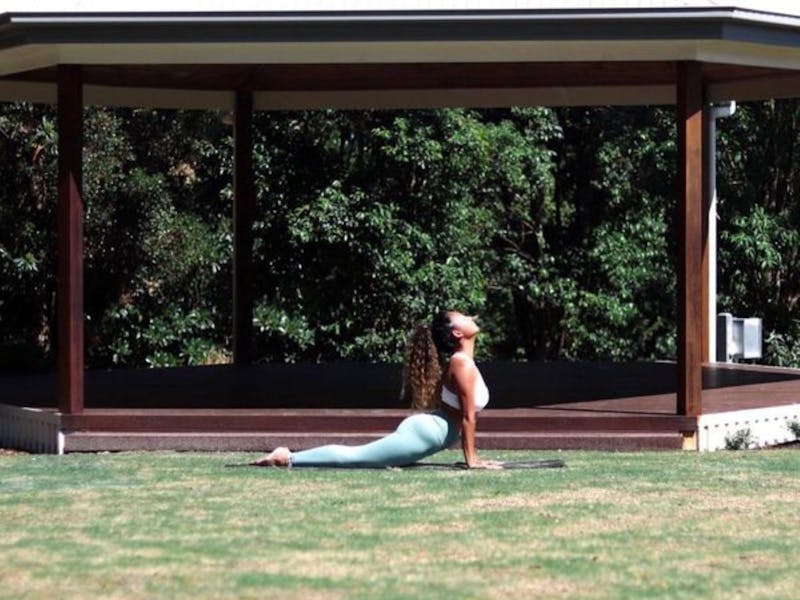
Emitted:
<point x="243" y="212"/>
<point x="691" y="117"/>
<point x="69" y="217"/>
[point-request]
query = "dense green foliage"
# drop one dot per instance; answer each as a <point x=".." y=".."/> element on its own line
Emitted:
<point x="555" y="226"/>
<point x="760" y="222"/>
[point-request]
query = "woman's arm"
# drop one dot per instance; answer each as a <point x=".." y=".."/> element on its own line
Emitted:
<point x="464" y="374"/>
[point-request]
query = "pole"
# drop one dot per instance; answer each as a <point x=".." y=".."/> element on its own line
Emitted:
<point x="69" y="225"/>
<point x="691" y="115"/>
<point x="716" y="112"/>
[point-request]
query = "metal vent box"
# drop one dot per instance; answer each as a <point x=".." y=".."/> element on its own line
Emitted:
<point x="738" y="338"/>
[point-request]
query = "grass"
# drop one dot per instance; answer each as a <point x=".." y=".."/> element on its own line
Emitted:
<point x="610" y="525"/>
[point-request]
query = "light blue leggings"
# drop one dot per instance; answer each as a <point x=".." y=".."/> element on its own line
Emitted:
<point x="416" y="437"/>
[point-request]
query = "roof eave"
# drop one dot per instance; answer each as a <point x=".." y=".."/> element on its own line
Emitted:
<point x="453" y="25"/>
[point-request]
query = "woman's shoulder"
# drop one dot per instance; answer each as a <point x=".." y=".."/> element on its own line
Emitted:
<point x="461" y="359"/>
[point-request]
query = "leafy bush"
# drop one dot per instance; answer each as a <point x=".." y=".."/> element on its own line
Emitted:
<point x="556" y="226"/>
<point x="741" y="439"/>
<point x="783" y="349"/>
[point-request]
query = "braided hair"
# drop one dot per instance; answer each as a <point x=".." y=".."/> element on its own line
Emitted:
<point x="422" y="368"/>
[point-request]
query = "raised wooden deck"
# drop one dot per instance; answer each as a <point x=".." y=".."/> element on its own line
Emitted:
<point x="534" y="405"/>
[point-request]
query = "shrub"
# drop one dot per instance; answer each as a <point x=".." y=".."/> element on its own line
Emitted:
<point x="741" y="439"/>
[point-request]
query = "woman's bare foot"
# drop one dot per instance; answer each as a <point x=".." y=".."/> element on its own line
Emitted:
<point x="280" y="457"/>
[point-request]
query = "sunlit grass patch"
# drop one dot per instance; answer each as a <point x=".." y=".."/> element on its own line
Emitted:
<point x="607" y="526"/>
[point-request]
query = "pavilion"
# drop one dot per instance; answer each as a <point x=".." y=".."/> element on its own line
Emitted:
<point x="303" y="54"/>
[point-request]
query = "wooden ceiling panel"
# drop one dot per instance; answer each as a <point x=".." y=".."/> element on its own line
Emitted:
<point x="422" y="76"/>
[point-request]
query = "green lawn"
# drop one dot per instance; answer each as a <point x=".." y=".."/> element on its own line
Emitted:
<point x="162" y="525"/>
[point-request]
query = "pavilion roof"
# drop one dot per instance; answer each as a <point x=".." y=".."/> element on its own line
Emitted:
<point x="304" y="53"/>
<point x="777" y="7"/>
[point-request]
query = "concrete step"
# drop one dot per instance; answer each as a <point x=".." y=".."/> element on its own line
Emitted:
<point x="215" y="441"/>
<point x="359" y="421"/>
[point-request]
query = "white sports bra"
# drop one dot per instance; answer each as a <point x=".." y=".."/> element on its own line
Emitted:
<point x="481" y="395"/>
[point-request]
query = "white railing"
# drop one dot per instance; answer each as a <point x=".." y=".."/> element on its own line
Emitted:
<point x="30" y="429"/>
<point x="760" y="427"/>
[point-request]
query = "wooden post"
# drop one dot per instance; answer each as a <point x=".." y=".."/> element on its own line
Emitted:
<point x="70" y="390"/>
<point x="243" y="212"/>
<point x="691" y="189"/>
<point x="705" y="260"/>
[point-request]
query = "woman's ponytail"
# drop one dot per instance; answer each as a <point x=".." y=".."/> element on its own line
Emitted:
<point x="422" y="371"/>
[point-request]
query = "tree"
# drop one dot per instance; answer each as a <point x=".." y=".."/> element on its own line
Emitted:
<point x="556" y="226"/>
<point x="759" y="255"/>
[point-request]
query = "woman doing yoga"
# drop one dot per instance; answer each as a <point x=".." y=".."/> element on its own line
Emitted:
<point x="451" y="394"/>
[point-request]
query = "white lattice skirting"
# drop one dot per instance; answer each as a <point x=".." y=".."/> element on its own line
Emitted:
<point x="30" y="429"/>
<point x="766" y="426"/>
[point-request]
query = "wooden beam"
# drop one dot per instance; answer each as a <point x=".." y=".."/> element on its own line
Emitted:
<point x="705" y="258"/>
<point x="70" y="389"/>
<point x="376" y="76"/>
<point x="243" y="213"/>
<point x="391" y="76"/>
<point x="691" y="189"/>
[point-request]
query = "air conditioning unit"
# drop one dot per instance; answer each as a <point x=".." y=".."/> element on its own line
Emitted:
<point x="738" y="338"/>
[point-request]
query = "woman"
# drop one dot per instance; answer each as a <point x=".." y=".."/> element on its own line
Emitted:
<point x="453" y="399"/>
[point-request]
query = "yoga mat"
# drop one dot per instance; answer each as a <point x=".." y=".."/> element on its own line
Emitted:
<point x="511" y="464"/>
